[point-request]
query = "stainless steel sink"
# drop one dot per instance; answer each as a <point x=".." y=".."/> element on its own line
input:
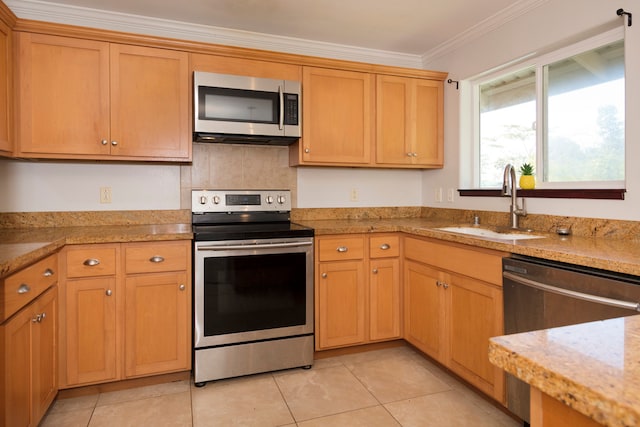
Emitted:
<point x="490" y="234"/>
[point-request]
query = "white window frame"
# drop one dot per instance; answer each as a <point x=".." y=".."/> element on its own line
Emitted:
<point x="538" y="62"/>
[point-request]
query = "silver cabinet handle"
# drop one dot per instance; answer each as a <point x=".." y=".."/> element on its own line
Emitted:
<point x="24" y="288"/>
<point x="182" y="287"/>
<point x="342" y="249"/>
<point x="438" y="283"/>
<point x="91" y="262"/>
<point x="306" y="150"/>
<point x="374" y="271"/>
<point x="38" y="318"/>
<point x="445" y="285"/>
<point x="385" y="246"/>
<point x="156" y="258"/>
<point x="324" y="275"/>
<point x="109" y="292"/>
<point x="48" y="272"/>
<point x="114" y="143"/>
<point x="104" y="142"/>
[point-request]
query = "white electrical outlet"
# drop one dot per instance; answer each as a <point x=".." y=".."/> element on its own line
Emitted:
<point x="354" y="195"/>
<point x="438" y="195"/>
<point x="450" y="193"/>
<point x="105" y="194"/>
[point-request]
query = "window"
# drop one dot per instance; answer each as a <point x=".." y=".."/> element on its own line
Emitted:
<point x="562" y="112"/>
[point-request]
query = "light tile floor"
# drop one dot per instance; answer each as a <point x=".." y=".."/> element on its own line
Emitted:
<point x="390" y="387"/>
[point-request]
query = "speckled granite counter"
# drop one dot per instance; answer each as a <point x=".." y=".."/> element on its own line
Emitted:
<point x="22" y="246"/>
<point x="554" y="361"/>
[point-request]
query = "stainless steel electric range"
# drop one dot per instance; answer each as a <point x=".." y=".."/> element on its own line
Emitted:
<point x="253" y="284"/>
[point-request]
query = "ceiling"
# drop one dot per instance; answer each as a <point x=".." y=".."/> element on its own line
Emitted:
<point x="411" y="27"/>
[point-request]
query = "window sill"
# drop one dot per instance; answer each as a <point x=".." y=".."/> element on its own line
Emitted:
<point x="609" y="194"/>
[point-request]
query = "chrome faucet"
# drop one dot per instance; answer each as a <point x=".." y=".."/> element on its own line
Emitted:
<point x="509" y="189"/>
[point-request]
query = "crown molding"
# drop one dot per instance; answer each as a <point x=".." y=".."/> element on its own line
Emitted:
<point x="115" y="21"/>
<point x="484" y="27"/>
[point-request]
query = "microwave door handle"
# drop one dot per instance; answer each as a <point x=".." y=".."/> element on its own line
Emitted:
<point x="281" y="95"/>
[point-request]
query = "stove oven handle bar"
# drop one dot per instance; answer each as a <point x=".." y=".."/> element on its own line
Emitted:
<point x="256" y="246"/>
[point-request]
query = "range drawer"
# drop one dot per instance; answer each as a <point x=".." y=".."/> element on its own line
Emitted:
<point x="385" y="246"/>
<point x="340" y="248"/>
<point x="91" y="260"/>
<point x="24" y="286"/>
<point x="154" y="257"/>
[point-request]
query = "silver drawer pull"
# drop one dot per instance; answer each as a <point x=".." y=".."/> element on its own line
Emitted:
<point x="48" y="273"/>
<point x="342" y="249"/>
<point x="182" y="287"/>
<point x="385" y="246"/>
<point x="156" y="258"/>
<point x="375" y="271"/>
<point x="324" y="275"/>
<point x="91" y="262"/>
<point x="23" y="289"/>
<point x="108" y="292"/>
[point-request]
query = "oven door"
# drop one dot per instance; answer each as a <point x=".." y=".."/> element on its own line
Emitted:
<point x="252" y="290"/>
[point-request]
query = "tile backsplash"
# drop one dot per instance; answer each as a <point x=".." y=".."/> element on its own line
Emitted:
<point x="235" y="166"/>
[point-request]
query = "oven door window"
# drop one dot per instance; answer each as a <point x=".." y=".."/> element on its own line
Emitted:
<point x="255" y="292"/>
<point x="238" y="105"/>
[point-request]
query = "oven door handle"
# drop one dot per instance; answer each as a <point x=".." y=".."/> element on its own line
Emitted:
<point x="257" y="246"/>
<point x="574" y="294"/>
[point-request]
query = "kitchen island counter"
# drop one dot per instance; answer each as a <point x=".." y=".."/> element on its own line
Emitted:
<point x="592" y="368"/>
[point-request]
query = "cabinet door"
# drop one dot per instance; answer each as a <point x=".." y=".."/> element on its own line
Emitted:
<point x="16" y="370"/>
<point x="393" y="127"/>
<point x="384" y="299"/>
<point x="149" y="103"/>
<point x="45" y="352"/>
<point x="90" y="328"/>
<point x="29" y="372"/>
<point x="424" y="309"/>
<point x="6" y="76"/>
<point x="340" y="304"/>
<point x="475" y="316"/>
<point x="337" y="117"/>
<point x="63" y="96"/>
<point x="428" y="122"/>
<point x="157" y="323"/>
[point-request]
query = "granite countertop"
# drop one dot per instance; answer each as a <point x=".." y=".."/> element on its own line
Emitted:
<point x="614" y="254"/>
<point x="554" y="360"/>
<point x="22" y="246"/>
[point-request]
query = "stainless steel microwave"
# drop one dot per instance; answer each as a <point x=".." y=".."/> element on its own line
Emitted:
<point x="240" y="109"/>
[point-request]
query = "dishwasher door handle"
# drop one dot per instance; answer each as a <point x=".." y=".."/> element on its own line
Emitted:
<point x="574" y="294"/>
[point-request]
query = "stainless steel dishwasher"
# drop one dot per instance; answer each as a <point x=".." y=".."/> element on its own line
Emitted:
<point x="541" y="294"/>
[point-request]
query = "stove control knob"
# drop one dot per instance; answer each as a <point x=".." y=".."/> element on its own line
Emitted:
<point x="203" y="200"/>
<point x="216" y="200"/>
<point x="282" y="199"/>
<point x="269" y="200"/>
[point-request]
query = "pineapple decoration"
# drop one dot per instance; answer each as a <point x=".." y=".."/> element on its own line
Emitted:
<point x="527" y="180"/>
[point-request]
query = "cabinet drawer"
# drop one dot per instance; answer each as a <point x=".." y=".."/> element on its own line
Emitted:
<point x="156" y="257"/>
<point x="24" y="286"/>
<point x="384" y="246"/>
<point x="340" y="248"/>
<point x="483" y="264"/>
<point x="90" y="261"/>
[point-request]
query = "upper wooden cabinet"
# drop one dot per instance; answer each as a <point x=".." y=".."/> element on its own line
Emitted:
<point x="89" y="99"/>
<point x="337" y="118"/>
<point x="368" y="120"/>
<point x="6" y="107"/>
<point x="245" y="67"/>
<point x="409" y="122"/>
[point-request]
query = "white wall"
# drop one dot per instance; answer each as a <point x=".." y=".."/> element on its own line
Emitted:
<point x="333" y="187"/>
<point x="70" y="186"/>
<point x="550" y="24"/>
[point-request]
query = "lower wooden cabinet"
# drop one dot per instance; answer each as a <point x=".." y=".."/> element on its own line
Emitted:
<point x="357" y="297"/>
<point x="29" y="362"/>
<point x="126" y="311"/>
<point x="451" y="316"/>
